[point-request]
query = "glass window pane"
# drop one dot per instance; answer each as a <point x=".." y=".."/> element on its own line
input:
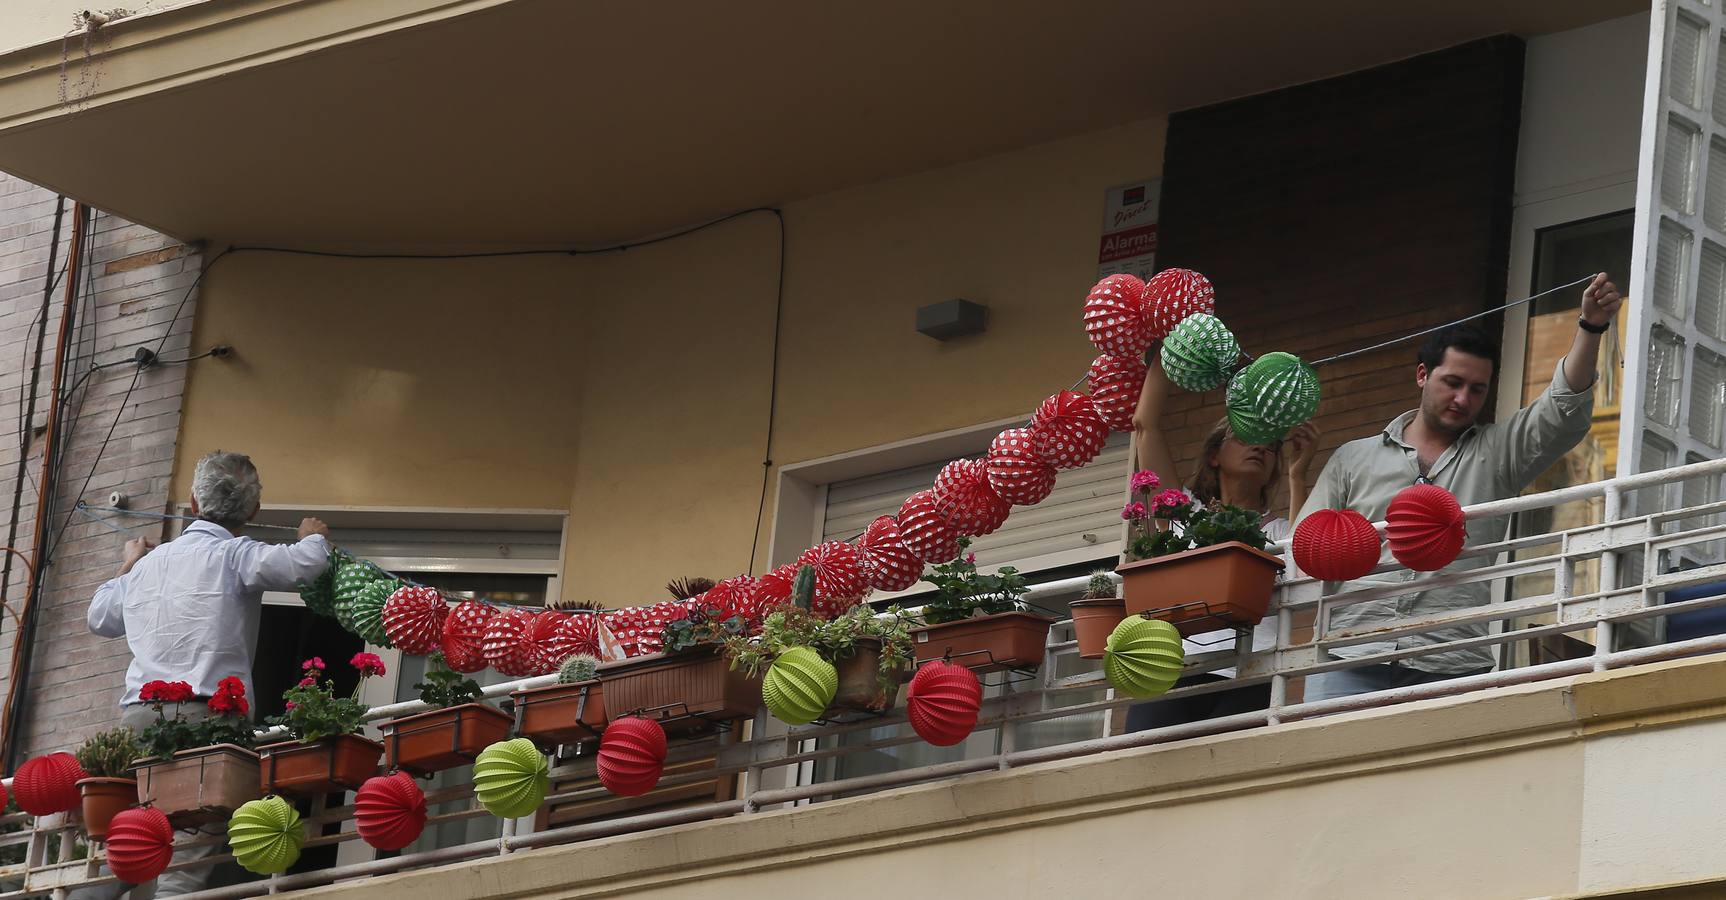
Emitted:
<point x="1665" y="376"/>
<point x="1678" y="173"/>
<point x="1720" y="81"/>
<point x="1714" y="200"/>
<point x="1671" y="268"/>
<point x="1684" y="65"/>
<point x="1711" y="291"/>
<point x="1707" y="381"/>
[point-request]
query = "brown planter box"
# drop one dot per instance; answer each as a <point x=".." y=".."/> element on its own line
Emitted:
<point x="859" y="682"/>
<point x="441" y="739"/>
<point x="560" y="713"/>
<point x="684" y="691"/>
<point x="341" y="763"/>
<point x="1010" y="640"/>
<point x="103" y="798"/>
<point x="1210" y="588"/>
<point x="199" y="786"/>
<point x="1093" y="621"/>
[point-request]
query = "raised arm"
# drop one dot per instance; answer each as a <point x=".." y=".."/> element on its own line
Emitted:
<point x="1302" y="444"/>
<point x="1151" y="446"/>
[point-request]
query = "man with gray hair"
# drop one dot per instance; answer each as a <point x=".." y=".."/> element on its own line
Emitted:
<point x="189" y="610"/>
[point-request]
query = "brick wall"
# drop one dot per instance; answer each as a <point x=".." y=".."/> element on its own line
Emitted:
<point x="136" y="278"/>
<point x="1338" y="214"/>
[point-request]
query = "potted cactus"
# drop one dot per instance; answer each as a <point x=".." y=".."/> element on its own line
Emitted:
<point x="450" y="735"/>
<point x="327" y="753"/>
<point x="107" y="759"/>
<point x="567" y="712"/>
<point x="980" y="621"/>
<point x="1196" y="567"/>
<point x="197" y="772"/>
<point x="1096" y="614"/>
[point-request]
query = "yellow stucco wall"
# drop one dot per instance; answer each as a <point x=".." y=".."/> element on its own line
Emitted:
<point x="633" y="387"/>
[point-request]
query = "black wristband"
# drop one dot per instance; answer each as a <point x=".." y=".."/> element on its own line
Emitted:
<point x="1591" y="329"/>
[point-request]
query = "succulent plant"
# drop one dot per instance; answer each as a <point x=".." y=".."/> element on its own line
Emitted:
<point x="110" y="753"/>
<point x="577" y="668"/>
<point x="803" y="588"/>
<point x="1100" y="587"/>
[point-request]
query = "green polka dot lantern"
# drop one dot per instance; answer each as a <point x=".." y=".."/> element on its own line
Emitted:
<point x="1200" y="353"/>
<point x="511" y="778"/>
<point x="799" y="686"/>
<point x="351" y="576"/>
<point x="320" y="594"/>
<point x="364" y="615"/>
<point x="1274" y="394"/>
<point x="266" y="836"/>
<point x="1143" y="657"/>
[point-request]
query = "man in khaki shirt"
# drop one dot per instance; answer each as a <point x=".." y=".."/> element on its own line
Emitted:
<point x="1441" y="443"/>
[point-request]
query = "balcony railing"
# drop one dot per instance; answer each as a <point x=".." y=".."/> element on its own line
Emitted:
<point x="1632" y="558"/>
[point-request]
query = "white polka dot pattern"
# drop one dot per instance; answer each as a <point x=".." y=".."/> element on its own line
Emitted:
<point x="1067" y="432"/>
<point x="1016" y="471"/>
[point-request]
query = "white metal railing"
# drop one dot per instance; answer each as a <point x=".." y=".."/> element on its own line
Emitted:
<point x="775" y="764"/>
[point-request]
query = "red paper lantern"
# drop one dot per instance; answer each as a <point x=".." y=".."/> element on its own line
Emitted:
<point x="1116" y="318"/>
<point x="771" y="591"/>
<point x="943" y="701"/>
<point x="1067" y="432"/>
<point x="963" y="496"/>
<point x="390" y="811"/>
<point x="506" y="645"/>
<point x="1116" y="382"/>
<point x="551" y="637"/>
<point x="1173" y="294"/>
<point x="140" y="844"/>
<point x="925" y="532"/>
<point x="1015" y="469"/>
<point x="48" y="784"/>
<point x="839" y="581"/>
<point x="631" y="756"/>
<point x="1424" y="527"/>
<point x="464" y="636"/>
<point x="887" y="563"/>
<point x="1336" y="545"/>
<point x="733" y="597"/>
<point x="413" y="619"/>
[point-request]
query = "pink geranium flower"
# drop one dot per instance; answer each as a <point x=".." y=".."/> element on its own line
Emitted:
<point x="368" y="663"/>
<point x="1168" y="500"/>
<point x="1146" y="481"/>
<point x="1134" y="511"/>
<point x="316" y="662"/>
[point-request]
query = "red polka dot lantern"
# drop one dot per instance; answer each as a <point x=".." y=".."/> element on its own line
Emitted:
<point x="925" y="531"/>
<point x="1424" y="527"/>
<point x="414" y="618"/>
<point x="734" y="597"/>
<point x="390" y="811"/>
<point x="1173" y="294"/>
<point x="887" y="563"/>
<point x="1336" y="545"/>
<point x="839" y="581"/>
<point x="943" y="701"/>
<point x="140" y="844"/>
<point x="1116" y="382"/>
<point x="963" y="496"/>
<point x="48" y="784"/>
<point x="463" y="641"/>
<point x="506" y="644"/>
<point x="631" y="756"/>
<point x="1015" y="469"/>
<point x="1067" y="432"/>
<point x="772" y="591"/>
<point x="1116" y="318"/>
<point x="553" y="635"/>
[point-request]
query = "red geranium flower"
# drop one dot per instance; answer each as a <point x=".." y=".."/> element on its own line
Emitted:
<point x="316" y="662"/>
<point x="177" y="692"/>
<point x="368" y="663"/>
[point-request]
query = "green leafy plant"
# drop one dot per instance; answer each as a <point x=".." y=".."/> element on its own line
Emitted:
<point x="110" y="753"/>
<point x="443" y="688"/>
<point x="962" y="593"/>
<point x="577" y="668"/>
<point x="1100" y="586"/>
<point x="1171" y="522"/>
<point x="835" y="639"/>
<point x="228" y="721"/>
<point x="315" y="712"/>
<point x="705" y="626"/>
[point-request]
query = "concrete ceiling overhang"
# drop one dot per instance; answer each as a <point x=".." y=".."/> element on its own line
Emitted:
<point x="483" y="123"/>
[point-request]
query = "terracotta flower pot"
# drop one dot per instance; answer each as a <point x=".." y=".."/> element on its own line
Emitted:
<point x="103" y="798"/>
<point x="1009" y="640"/>
<point x="560" y="713"/>
<point x="683" y="691"/>
<point x="199" y="786"/>
<point x="1221" y="586"/>
<point x="1093" y="620"/>
<point x="429" y="742"/>
<point x="860" y="687"/>
<point x="341" y="763"/>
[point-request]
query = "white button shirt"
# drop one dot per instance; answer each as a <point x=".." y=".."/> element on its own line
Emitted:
<point x="189" y="609"/>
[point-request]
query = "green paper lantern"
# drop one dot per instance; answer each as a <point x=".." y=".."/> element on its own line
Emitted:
<point x="1278" y="389"/>
<point x="1143" y="657"/>
<point x="510" y="778"/>
<point x="266" y="835"/>
<point x="799" y="686"/>
<point x="1200" y="353"/>
<point x="1250" y="429"/>
<point x="320" y="594"/>
<point x="364" y="615"/>
<point x="351" y="577"/>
